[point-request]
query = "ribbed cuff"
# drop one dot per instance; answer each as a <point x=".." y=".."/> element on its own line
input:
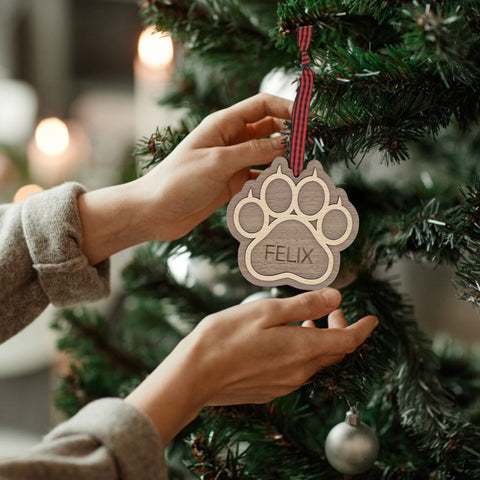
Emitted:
<point x="129" y="436"/>
<point x="53" y="233"/>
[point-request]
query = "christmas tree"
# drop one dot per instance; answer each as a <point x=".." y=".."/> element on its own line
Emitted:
<point x="394" y="82"/>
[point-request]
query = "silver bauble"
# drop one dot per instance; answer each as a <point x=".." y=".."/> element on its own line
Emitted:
<point x="351" y="447"/>
<point x="203" y="276"/>
<point x="261" y="295"/>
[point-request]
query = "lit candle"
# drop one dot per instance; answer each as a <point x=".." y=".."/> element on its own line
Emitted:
<point x="18" y="108"/>
<point x="25" y="191"/>
<point x="153" y="68"/>
<point x="56" y="151"/>
<point x="51" y="136"/>
<point x="155" y="50"/>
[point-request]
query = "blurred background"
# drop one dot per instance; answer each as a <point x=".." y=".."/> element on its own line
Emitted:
<point x="75" y="94"/>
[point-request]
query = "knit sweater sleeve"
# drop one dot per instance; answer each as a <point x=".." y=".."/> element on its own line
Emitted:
<point x="41" y="261"/>
<point x="106" y="440"/>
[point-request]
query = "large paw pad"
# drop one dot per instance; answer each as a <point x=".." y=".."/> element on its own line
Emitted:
<point x="291" y="230"/>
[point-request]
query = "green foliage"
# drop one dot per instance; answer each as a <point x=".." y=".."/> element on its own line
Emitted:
<point x="99" y="363"/>
<point x="152" y="150"/>
<point x="386" y="75"/>
<point x="219" y="32"/>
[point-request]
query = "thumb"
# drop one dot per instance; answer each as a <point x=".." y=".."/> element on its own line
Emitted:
<point x="304" y="306"/>
<point x="254" y="152"/>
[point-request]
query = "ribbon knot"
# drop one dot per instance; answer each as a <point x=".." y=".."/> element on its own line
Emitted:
<point x="305" y="59"/>
<point x="301" y="104"/>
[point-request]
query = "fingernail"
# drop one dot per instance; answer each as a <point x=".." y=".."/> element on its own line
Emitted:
<point x="332" y="297"/>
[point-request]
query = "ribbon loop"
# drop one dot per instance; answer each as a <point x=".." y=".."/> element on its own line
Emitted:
<point x="301" y="104"/>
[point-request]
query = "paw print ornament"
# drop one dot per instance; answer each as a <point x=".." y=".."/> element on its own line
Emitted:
<point x="291" y="229"/>
<point x="292" y="223"/>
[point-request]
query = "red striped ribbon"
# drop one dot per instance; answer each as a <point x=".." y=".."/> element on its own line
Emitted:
<point x="301" y="104"/>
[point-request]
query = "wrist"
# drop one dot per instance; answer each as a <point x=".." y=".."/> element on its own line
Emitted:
<point x="112" y="219"/>
<point x="173" y="394"/>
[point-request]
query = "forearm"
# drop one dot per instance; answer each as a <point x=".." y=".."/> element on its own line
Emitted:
<point x="173" y="394"/>
<point x="112" y="220"/>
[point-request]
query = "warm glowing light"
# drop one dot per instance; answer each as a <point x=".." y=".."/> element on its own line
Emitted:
<point x="26" y="191"/>
<point x="52" y="136"/>
<point x="155" y="49"/>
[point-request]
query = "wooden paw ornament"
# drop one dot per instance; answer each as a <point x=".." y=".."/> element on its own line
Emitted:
<point x="291" y="229"/>
<point x="293" y="223"/>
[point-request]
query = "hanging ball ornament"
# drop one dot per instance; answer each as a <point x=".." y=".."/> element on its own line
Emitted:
<point x="208" y="279"/>
<point x="351" y="447"/>
<point x="262" y="295"/>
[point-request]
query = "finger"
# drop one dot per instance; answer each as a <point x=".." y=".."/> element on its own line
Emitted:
<point x="254" y="174"/>
<point x="252" y="152"/>
<point x="340" y="341"/>
<point x="306" y="306"/>
<point x="337" y="320"/>
<point x="363" y="328"/>
<point x="260" y="106"/>
<point x="264" y="127"/>
<point x="228" y="126"/>
<point x="308" y="324"/>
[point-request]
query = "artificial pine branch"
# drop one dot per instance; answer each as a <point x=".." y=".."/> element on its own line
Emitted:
<point x="331" y="20"/>
<point x="219" y="31"/>
<point x="148" y="274"/>
<point x="92" y="330"/>
<point x="269" y="451"/>
<point x="443" y="32"/>
<point x="438" y="235"/>
<point x="425" y="409"/>
<point x="99" y="364"/>
<point x="213" y="459"/>
<point x="157" y="146"/>
<point x="212" y="240"/>
<point x="385" y="97"/>
<point x="182" y="17"/>
<point x="199" y="89"/>
<point x="375" y="79"/>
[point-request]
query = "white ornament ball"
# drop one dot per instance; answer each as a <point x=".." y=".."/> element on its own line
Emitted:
<point x="200" y="274"/>
<point x="351" y="447"/>
<point x="261" y="295"/>
<point x="281" y="83"/>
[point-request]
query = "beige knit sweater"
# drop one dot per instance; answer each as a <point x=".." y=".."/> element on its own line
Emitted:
<point x="41" y="263"/>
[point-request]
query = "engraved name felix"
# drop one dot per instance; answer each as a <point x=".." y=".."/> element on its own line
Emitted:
<point x="285" y="254"/>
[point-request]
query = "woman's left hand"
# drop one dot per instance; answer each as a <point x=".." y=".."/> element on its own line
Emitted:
<point x="213" y="163"/>
<point x="203" y="173"/>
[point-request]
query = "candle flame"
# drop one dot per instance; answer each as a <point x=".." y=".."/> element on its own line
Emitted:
<point x="51" y="136"/>
<point x="155" y="49"/>
<point x="26" y="191"/>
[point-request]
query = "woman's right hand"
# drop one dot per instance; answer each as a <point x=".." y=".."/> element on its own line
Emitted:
<point x="250" y="353"/>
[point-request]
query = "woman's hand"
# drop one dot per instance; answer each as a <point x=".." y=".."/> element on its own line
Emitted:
<point x="212" y="164"/>
<point x="199" y="176"/>
<point x="249" y="353"/>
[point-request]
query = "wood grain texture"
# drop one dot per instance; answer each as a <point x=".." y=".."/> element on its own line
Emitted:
<point x="291" y="229"/>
